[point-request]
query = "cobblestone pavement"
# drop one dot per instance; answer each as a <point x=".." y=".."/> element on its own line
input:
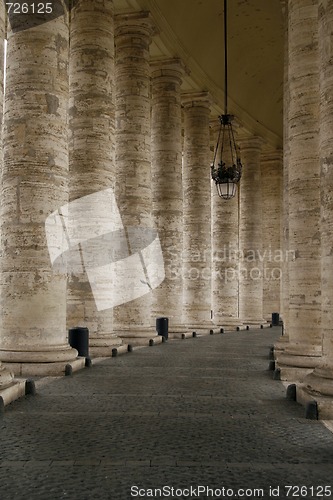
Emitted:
<point x="202" y="413"/>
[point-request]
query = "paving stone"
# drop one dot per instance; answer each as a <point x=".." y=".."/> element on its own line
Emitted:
<point x="184" y="414"/>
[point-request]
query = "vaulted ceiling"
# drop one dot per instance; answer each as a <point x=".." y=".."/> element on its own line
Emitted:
<point x="193" y="31"/>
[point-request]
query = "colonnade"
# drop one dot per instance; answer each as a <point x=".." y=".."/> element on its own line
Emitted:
<point x="98" y="115"/>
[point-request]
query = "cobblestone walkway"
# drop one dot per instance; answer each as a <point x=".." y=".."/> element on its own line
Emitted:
<point x="201" y="413"/>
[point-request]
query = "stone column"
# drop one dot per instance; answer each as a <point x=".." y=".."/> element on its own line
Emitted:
<point x="225" y="246"/>
<point x="250" y="234"/>
<point x="133" y="320"/>
<point x="284" y="339"/>
<point x="6" y="377"/>
<point x="197" y="212"/>
<point x="319" y="384"/>
<point x="91" y="153"/>
<point x="304" y="349"/>
<point x="167" y="187"/>
<point x="34" y="184"/>
<point x="272" y="254"/>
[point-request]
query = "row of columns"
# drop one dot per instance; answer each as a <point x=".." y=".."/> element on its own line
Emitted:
<point x="124" y="117"/>
<point x="306" y="357"/>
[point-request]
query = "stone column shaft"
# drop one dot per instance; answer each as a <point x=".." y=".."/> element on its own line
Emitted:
<point x="34" y="184"/>
<point x="92" y="167"/>
<point x="6" y="377"/>
<point x="225" y="246"/>
<point x="304" y="349"/>
<point x="319" y="384"/>
<point x="197" y="212"/>
<point x="283" y="340"/>
<point x="133" y="320"/>
<point x="272" y="255"/>
<point x="250" y="234"/>
<point x="167" y="187"/>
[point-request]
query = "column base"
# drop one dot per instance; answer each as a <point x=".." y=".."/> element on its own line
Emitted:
<point x="320" y="381"/>
<point x="254" y="322"/>
<point x="176" y="331"/>
<point x="297" y="361"/>
<point x="201" y="329"/>
<point x="228" y="323"/>
<point x="281" y="344"/>
<point x="41" y="362"/>
<point x="138" y="336"/>
<point x="306" y="393"/>
<point x="102" y="346"/>
<point x="41" y="355"/>
<point x="45" y="369"/>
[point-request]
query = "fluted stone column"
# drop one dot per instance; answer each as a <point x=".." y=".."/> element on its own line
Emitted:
<point x="250" y="234"/>
<point x="34" y="184"/>
<point x="304" y="349"/>
<point x="272" y="253"/>
<point x="91" y="152"/>
<point x="225" y="255"/>
<point x="319" y="384"/>
<point x="197" y="212"/>
<point x="167" y="187"/>
<point x="133" y="320"/>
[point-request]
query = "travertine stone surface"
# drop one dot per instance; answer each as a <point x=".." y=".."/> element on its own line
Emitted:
<point x="321" y="380"/>
<point x="167" y="187"/>
<point x="34" y="184"/>
<point x="284" y="339"/>
<point x="197" y="212"/>
<point x="225" y="255"/>
<point x="272" y="253"/>
<point x="286" y="154"/>
<point x="304" y="349"/>
<point x="133" y="32"/>
<point x="250" y="234"/>
<point x="91" y="150"/>
<point x="6" y="376"/>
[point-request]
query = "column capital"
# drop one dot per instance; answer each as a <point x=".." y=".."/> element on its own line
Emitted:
<point x="135" y="23"/>
<point x="253" y="142"/>
<point x="192" y="99"/>
<point x="172" y="67"/>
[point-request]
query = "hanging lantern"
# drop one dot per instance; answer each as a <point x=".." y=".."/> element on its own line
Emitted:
<point x="228" y="171"/>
